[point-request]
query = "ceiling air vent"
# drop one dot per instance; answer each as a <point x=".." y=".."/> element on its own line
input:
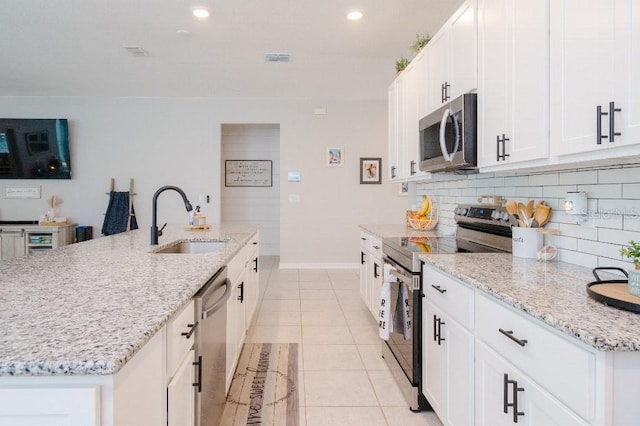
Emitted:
<point x="277" y="57"/>
<point x="136" y="50"/>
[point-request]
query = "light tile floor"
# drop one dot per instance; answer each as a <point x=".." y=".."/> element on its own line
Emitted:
<point x="343" y="379"/>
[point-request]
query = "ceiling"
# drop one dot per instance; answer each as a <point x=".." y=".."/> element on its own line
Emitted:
<point x="76" y="47"/>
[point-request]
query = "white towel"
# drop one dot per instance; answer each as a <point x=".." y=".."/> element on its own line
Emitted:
<point x="402" y="315"/>
<point x="384" y="315"/>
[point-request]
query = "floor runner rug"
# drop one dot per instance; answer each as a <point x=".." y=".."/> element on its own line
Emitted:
<point x="264" y="390"/>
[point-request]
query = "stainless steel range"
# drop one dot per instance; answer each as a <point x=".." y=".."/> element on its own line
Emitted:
<point x="480" y="229"/>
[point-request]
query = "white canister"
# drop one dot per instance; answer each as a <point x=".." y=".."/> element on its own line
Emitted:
<point x="525" y="242"/>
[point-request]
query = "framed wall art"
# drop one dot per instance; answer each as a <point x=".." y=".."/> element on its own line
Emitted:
<point x="370" y="170"/>
<point x="335" y="156"/>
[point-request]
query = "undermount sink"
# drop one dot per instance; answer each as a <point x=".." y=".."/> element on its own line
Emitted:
<point x="193" y="247"/>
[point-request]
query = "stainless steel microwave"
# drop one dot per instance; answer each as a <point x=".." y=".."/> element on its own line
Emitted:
<point x="448" y="137"/>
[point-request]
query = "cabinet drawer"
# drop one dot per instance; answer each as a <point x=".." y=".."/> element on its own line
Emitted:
<point x="177" y="344"/>
<point x="237" y="265"/>
<point x="451" y="296"/>
<point x="555" y="363"/>
<point x="375" y="247"/>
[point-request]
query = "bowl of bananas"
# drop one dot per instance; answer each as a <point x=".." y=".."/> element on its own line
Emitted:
<point x="426" y="217"/>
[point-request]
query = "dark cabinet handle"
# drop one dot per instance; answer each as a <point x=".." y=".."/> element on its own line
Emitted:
<point x="437" y="330"/>
<point x="241" y="295"/>
<point x="444" y="90"/>
<point x="599" y="135"/>
<point x="198" y="383"/>
<point x="393" y="171"/>
<point x="509" y="334"/>
<point x="376" y="274"/>
<point x="192" y="329"/>
<point x="501" y="142"/>
<point x="362" y="258"/>
<point x="412" y="167"/>
<point x="514" y="404"/>
<point x="440" y="289"/>
<point x="612" y="121"/>
<point x="255" y="264"/>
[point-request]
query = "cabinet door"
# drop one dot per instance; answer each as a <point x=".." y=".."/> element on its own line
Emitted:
<point x="437" y="69"/>
<point x="463" y="59"/>
<point x="375" y="284"/>
<point x="582" y="64"/>
<point x="365" y="284"/>
<point x="252" y="290"/>
<point x="181" y="394"/>
<point x="448" y="367"/>
<point x="500" y="387"/>
<point x="513" y="81"/>
<point x="393" y="132"/>
<point x="12" y="243"/>
<point x="416" y="110"/>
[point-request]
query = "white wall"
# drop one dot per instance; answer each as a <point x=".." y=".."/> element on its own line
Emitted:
<point x="160" y="141"/>
<point x="259" y="205"/>
<point x="614" y="207"/>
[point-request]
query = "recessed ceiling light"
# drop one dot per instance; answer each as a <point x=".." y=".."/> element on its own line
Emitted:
<point x="354" y="15"/>
<point x="201" y="13"/>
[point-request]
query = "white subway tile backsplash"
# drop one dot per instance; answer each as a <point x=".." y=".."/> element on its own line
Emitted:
<point x="614" y="206"/>
<point x="602" y="191"/>
<point x="631" y="191"/>
<point x="579" y="178"/>
<point x="544" y="179"/>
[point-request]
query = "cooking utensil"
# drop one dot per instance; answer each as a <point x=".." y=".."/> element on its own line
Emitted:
<point x="542" y="214"/>
<point x="511" y="207"/>
<point x="522" y="215"/>
<point x="529" y="209"/>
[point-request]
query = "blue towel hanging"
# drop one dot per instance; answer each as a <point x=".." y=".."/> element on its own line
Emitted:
<point x="118" y="215"/>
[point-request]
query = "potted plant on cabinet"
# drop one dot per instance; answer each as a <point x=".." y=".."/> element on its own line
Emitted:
<point x="633" y="253"/>
<point x="401" y="64"/>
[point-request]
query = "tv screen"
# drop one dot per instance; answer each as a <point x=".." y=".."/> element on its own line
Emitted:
<point x="34" y="149"/>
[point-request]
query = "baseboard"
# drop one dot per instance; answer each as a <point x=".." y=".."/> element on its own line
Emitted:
<point x="319" y="265"/>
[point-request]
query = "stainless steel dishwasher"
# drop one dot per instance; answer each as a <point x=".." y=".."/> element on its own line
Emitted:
<point x="211" y="346"/>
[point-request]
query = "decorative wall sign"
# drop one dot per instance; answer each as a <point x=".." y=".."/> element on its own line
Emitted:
<point x="370" y="170"/>
<point x="255" y="173"/>
<point x="21" y="192"/>
<point x="335" y="156"/>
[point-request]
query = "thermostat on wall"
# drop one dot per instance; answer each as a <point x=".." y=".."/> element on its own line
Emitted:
<point x="293" y="176"/>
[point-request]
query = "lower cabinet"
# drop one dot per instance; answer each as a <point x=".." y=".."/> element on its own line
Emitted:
<point x="371" y="271"/>
<point x="505" y="395"/>
<point x="180" y="394"/>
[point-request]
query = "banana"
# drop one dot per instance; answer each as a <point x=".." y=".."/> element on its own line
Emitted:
<point x="425" y="209"/>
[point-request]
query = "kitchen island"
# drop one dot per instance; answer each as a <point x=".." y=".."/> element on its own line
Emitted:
<point x="79" y="314"/>
<point x="571" y="360"/>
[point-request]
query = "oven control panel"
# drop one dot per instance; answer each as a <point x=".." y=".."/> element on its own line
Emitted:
<point x="482" y="214"/>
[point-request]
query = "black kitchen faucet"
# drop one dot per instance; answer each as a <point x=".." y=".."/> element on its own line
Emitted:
<point x="155" y="233"/>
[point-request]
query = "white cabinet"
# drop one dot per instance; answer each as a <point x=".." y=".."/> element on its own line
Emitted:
<point x="513" y="76"/>
<point x="397" y="130"/>
<point x="595" y="69"/>
<point x="180" y="394"/>
<point x="448" y="345"/>
<point x="252" y="291"/>
<point x="11" y="243"/>
<point x="452" y="58"/>
<point x="371" y="272"/>
<point x="180" y="366"/>
<point x="505" y="395"/>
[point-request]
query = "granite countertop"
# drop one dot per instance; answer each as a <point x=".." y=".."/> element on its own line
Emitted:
<point x="552" y="292"/>
<point x="87" y="308"/>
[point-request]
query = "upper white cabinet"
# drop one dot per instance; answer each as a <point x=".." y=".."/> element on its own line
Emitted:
<point x="594" y="79"/>
<point x="397" y="130"/>
<point x="452" y="58"/>
<point x="513" y="90"/>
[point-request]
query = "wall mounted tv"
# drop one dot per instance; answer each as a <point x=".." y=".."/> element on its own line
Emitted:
<point x="34" y="149"/>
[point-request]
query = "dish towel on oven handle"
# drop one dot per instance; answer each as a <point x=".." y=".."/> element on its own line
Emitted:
<point x="384" y="314"/>
<point x="402" y="315"/>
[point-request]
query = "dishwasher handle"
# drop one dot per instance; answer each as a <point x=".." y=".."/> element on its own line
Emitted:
<point x="208" y="311"/>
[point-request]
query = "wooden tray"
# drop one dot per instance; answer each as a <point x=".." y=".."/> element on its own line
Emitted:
<point x="193" y="227"/>
<point x="614" y="293"/>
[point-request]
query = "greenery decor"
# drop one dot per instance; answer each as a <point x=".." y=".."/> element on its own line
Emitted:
<point x="420" y="42"/>
<point x="401" y="64"/>
<point x="632" y="252"/>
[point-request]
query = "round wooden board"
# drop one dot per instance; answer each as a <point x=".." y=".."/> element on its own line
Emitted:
<point x="614" y="293"/>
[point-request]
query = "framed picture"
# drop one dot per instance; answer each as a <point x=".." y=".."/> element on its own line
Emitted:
<point x="335" y="156"/>
<point x="403" y="188"/>
<point x="248" y="173"/>
<point x="370" y="170"/>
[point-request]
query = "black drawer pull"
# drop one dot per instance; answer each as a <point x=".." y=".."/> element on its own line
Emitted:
<point x="192" y="328"/>
<point x="514" y="404"/>
<point x="198" y="384"/>
<point x="509" y="334"/>
<point x="440" y="289"/>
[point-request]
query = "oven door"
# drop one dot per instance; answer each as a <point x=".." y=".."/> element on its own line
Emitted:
<point x="403" y="351"/>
